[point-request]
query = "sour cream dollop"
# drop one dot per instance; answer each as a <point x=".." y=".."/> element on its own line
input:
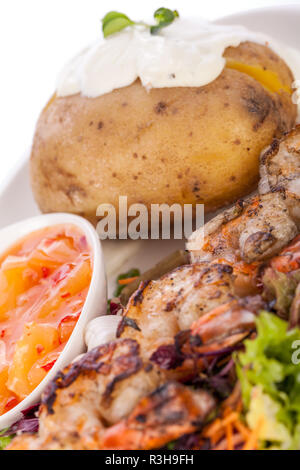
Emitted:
<point x="187" y="53"/>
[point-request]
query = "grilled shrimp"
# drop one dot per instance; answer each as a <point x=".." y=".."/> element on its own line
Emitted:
<point x="101" y="388"/>
<point x="280" y="170"/>
<point x="195" y="304"/>
<point x="259" y="227"/>
<point x="216" y="333"/>
<point x="167" y="413"/>
<point x="161" y="309"/>
<point x="226" y="324"/>
<point x="252" y="231"/>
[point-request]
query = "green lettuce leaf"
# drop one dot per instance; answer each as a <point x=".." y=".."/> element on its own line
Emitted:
<point x="269" y="362"/>
<point x="4" y="441"/>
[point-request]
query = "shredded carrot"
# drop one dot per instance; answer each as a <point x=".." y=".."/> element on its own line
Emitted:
<point x="124" y="282"/>
<point x="233" y="416"/>
<point x="215" y="438"/>
<point x="229" y="437"/>
<point x="252" y="441"/>
<point x="221" y="423"/>
<point x="212" y="428"/>
<point x="242" y="429"/>
<point x="228" y="431"/>
<point x="223" y="445"/>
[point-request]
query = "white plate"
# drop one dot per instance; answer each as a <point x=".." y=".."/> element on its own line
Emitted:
<point x="16" y="201"/>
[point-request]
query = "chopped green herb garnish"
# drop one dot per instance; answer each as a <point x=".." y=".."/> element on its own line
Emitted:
<point x="114" y="22"/>
<point x="164" y="17"/>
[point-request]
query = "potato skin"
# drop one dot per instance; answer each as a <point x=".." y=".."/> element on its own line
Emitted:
<point x="170" y="145"/>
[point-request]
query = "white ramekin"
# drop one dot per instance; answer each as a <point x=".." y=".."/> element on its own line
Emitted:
<point x="94" y="306"/>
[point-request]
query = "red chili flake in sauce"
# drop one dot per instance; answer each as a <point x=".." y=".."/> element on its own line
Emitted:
<point x="49" y="366"/>
<point x="64" y="296"/>
<point x="11" y="403"/>
<point x="2" y="334"/>
<point x="45" y="272"/>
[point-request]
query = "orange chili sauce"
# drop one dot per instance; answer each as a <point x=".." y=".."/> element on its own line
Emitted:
<point x="44" y="281"/>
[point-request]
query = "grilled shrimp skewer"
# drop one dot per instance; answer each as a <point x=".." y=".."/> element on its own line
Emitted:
<point x="96" y="398"/>
<point x="191" y="298"/>
<point x="100" y="397"/>
<point x="259" y="227"/>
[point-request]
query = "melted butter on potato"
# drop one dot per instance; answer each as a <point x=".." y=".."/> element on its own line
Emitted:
<point x="267" y="78"/>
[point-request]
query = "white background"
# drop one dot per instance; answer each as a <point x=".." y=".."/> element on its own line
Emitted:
<point x="38" y="36"/>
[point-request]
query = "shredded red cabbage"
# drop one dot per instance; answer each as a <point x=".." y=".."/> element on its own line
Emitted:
<point x="167" y="357"/>
<point x="187" y="442"/>
<point x="115" y="307"/>
<point x="227" y="368"/>
<point x="170" y="356"/>
<point x="28" y="423"/>
<point x="220" y="352"/>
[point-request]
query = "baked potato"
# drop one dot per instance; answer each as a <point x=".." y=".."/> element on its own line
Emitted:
<point x="168" y="145"/>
